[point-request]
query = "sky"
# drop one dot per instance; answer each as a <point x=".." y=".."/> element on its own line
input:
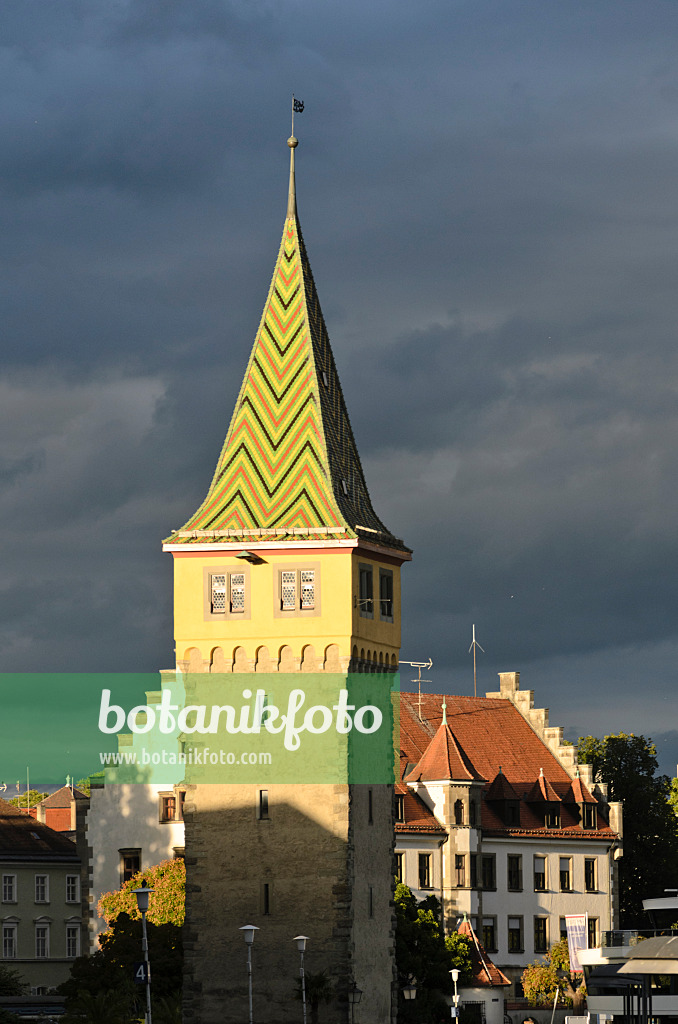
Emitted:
<point x="487" y="194"/>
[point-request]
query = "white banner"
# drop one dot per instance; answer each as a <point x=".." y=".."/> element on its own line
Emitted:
<point x="577" y="938"/>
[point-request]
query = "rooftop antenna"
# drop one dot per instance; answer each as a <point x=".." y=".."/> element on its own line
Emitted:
<point x="419" y="665"/>
<point x="474" y="644"/>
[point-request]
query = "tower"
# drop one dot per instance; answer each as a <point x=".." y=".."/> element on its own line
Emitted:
<point x="285" y="572"/>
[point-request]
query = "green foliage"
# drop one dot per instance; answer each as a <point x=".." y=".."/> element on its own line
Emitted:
<point x="11" y="982"/>
<point x="7" y="1017"/>
<point x="459" y="948"/>
<point x="628" y="764"/>
<point x="318" y="989"/>
<point x="166" y="905"/>
<point x="112" y="1006"/>
<point x="29" y="799"/>
<point x="422" y="954"/>
<point x="84" y="785"/>
<point x="110" y="970"/>
<point x="543" y="978"/>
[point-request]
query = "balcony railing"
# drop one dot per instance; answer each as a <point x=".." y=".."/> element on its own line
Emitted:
<point x="632" y="936"/>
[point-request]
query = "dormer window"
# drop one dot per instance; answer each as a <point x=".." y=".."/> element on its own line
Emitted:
<point x="400" y="807"/>
<point x="552" y="816"/>
<point x="589" y="816"/>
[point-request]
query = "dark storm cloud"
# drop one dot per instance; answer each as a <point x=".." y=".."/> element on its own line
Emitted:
<point x="487" y="193"/>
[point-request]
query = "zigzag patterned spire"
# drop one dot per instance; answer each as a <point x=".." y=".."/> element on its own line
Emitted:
<point x="289" y="465"/>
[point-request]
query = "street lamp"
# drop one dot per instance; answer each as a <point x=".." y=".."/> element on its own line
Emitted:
<point x="249" y="930"/>
<point x="354" y="996"/>
<point x="143" y="896"/>
<point x="410" y="990"/>
<point x="301" y="941"/>
<point x="454" y="1010"/>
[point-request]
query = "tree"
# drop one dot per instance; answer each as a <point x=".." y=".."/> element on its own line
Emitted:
<point x="29" y="799"/>
<point x="167" y="902"/>
<point x="422" y="954"/>
<point x="628" y="764"/>
<point x="84" y="785"/>
<point x="106" y="976"/>
<point x="11" y="982"/>
<point x="318" y="989"/>
<point x="542" y="979"/>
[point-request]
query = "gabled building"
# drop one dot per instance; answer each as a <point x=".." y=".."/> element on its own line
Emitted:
<point x="63" y="811"/>
<point x="40" y="899"/>
<point x="528" y="838"/>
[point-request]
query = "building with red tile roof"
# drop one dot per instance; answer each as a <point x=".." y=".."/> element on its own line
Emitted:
<point x="495" y="816"/>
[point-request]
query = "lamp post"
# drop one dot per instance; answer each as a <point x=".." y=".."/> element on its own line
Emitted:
<point x="409" y="991"/>
<point x="354" y="996"/>
<point x="454" y="1010"/>
<point x="143" y="896"/>
<point x="301" y="941"/>
<point x="249" y="930"/>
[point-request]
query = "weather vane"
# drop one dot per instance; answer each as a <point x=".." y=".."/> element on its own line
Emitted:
<point x="297" y="108"/>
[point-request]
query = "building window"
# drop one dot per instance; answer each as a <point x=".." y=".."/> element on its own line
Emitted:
<point x="489" y="869"/>
<point x="9" y="941"/>
<point x="72" y="889"/>
<point x="489" y="934"/>
<point x="386" y="595"/>
<point x="515" y="935"/>
<point x="266" y="899"/>
<point x="459" y="870"/>
<point x="563" y="927"/>
<point x="9" y="888"/>
<point x="42" y="888"/>
<point x="474" y="870"/>
<point x="370" y="808"/>
<point x="298" y="591"/>
<point x="552" y="816"/>
<point x="400" y="807"/>
<point x="566" y="874"/>
<point x="130" y="864"/>
<point x="366" y="594"/>
<point x="590" y="816"/>
<point x="472" y="812"/>
<point x="511" y="812"/>
<point x="72" y="941"/>
<point x="168" y="807"/>
<point x="227" y="593"/>
<point x="540" y="937"/>
<point x="424" y="870"/>
<point x="399" y="867"/>
<point x="370" y="902"/>
<point x="458" y="812"/>
<point x="590" y="880"/>
<point x="592" y="930"/>
<point x="539" y="874"/>
<point x="262" y="807"/>
<point x="515" y="872"/>
<point x="41" y="941"/>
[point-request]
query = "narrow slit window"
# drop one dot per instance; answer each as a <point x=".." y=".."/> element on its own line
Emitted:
<point x="267" y="899"/>
<point x="263" y="804"/>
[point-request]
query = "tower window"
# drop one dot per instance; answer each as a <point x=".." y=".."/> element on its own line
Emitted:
<point x="227" y="593"/>
<point x="386" y="595"/>
<point x="366" y="595"/>
<point x="237" y="580"/>
<point x="298" y="591"/>
<point x="263" y="805"/>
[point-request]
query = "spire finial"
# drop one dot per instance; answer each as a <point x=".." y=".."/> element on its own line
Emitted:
<point x="444" y="713"/>
<point x="292" y="194"/>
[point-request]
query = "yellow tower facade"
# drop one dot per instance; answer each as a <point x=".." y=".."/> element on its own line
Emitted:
<point x="284" y="569"/>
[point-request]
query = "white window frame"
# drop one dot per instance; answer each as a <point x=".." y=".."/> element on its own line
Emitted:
<point x="594" y="861"/>
<point x="42" y="926"/>
<point x="73" y="883"/>
<point x="298" y="590"/>
<point x="72" y="934"/>
<point x="9" y="889"/>
<point x="44" y="886"/>
<point x="226" y="592"/>
<point x="10" y="933"/>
